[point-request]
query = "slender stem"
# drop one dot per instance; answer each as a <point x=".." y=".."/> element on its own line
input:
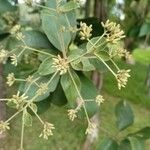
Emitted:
<point x="36" y="50"/>
<point x="78" y="57"/>
<point x="45" y="7"/>
<point x="89" y="100"/>
<point x="79" y="96"/>
<point x="22" y="132"/>
<point x="52" y="77"/>
<point x="6" y="99"/>
<point x="115" y="64"/>
<point x="31" y="84"/>
<point x="23" y="80"/>
<point x="105" y="64"/>
<point x="14" y="115"/>
<point x="37" y="115"/>
<point x="93" y="45"/>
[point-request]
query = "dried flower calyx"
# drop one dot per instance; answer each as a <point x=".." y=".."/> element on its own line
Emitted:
<point x="85" y="31"/>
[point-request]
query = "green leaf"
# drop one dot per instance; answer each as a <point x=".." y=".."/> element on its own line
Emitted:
<point x="97" y="44"/>
<point x="32" y="88"/>
<point x="58" y="96"/>
<point x="145" y="29"/>
<point x="80" y="63"/>
<point x="36" y="39"/>
<point x="124" y="115"/>
<point x="27" y="118"/>
<point x="108" y="144"/>
<point x="143" y="134"/>
<point x="88" y="91"/>
<point x="56" y="26"/>
<point x="136" y="144"/>
<point x="69" y="87"/>
<point x="6" y="6"/>
<point x="98" y="65"/>
<point x="69" y="6"/>
<point x="43" y="105"/>
<point x="46" y="67"/>
<point x="125" y="145"/>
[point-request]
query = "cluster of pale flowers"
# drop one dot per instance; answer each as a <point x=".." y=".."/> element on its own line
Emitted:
<point x="72" y="113"/>
<point x="113" y="34"/>
<point x="21" y="102"/>
<point x="60" y="64"/>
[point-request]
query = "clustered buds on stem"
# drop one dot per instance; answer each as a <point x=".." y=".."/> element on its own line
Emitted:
<point x="99" y="100"/>
<point x="122" y="78"/>
<point x="91" y="127"/>
<point x="113" y="31"/>
<point x="85" y="31"/>
<point x="10" y="79"/>
<point x="47" y="131"/>
<point x="60" y="64"/>
<point x="19" y="100"/>
<point x="4" y="126"/>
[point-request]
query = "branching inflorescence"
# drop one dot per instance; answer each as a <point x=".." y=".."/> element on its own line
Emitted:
<point x="63" y="66"/>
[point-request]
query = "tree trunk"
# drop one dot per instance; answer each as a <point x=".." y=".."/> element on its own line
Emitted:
<point x="87" y="8"/>
<point x="100" y="9"/>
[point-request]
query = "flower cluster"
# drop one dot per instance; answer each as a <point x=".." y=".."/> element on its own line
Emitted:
<point x="113" y="31"/>
<point x="60" y="64"/>
<point x="72" y="113"/>
<point x="10" y="79"/>
<point x="47" y="131"/>
<point x="85" y="31"/>
<point x="99" y="100"/>
<point x="18" y="100"/>
<point x="91" y="127"/>
<point x="16" y="30"/>
<point x="120" y="52"/>
<point x="4" y="126"/>
<point x="122" y="78"/>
